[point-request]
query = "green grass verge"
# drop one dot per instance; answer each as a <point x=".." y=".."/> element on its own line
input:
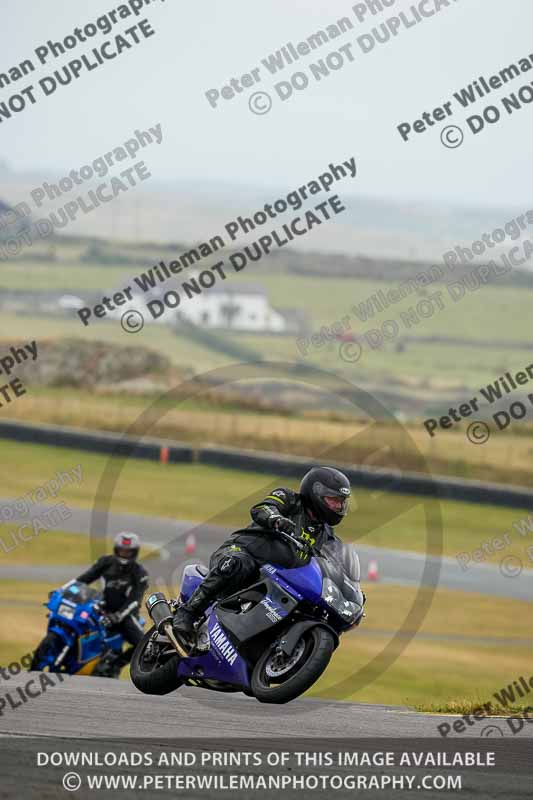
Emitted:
<point x="470" y="706"/>
<point x="430" y="674"/>
<point x="224" y="496"/>
<point x="57" y="547"/>
<point x="21" y="626"/>
<point x="48" y="547"/>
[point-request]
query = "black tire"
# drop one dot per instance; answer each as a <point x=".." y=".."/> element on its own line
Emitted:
<point x="154" y="677"/>
<point x="318" y="646"/>
<point x="109" y="666"/>
<point x="51" y="644"/>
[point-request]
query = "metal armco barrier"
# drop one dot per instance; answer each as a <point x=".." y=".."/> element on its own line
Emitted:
<point x="259" y="461"/>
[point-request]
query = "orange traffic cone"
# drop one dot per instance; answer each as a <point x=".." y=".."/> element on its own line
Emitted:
<point x="373" y="570"/>
<point x="190" y="543"/>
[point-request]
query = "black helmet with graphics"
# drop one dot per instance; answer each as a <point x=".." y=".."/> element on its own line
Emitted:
<point x="126" y="547"/>
<point x="325" y="491"/>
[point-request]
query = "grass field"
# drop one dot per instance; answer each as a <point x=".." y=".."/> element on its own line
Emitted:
<point x="223" y="496"/>
<point x="48" y="547"/>
<point x="505" y="458"/>
<point x="427" y="366"/>
<point x="182" y="353"/>
<point x="491" y="312"/>
<point x="71" y="275"/>
<point x="428" y="673"/>
<point x="492" y="309"/>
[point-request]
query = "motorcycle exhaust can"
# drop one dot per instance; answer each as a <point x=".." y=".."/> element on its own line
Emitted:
<point x="159" y="610"/>
<point x="161" y="615"/>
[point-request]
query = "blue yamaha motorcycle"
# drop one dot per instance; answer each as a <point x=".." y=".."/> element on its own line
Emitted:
<point x="272" y="640"/>
<point x="78" y="641"/>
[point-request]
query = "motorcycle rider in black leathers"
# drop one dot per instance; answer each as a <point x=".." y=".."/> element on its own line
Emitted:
<point x="307" y="515"/>
<point x="125" y="581"/>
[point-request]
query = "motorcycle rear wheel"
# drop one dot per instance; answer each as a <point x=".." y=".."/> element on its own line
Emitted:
<point x="155" y="673"/>
<point x="275" y="682"/>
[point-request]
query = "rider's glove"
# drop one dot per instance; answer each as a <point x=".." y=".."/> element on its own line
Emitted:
<point x="116" y="617"/>
<point x="110" y="619"/>
<point x="363" y="615"/>
<point x="302" y="548"/>
<point x="283" y="525"/>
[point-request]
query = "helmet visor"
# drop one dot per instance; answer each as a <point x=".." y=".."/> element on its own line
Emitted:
<point x="334" y="500"/>
<point x="128" y="553"/>
<point x="337" y="504"/>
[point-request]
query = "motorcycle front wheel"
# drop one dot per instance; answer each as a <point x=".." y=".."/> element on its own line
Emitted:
<point x="278" y="678"/>
<point x="46" y="653"/>
<point x="154" y="666"/>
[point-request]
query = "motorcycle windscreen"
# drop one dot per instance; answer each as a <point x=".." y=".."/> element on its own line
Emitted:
<point x="340" y="563"/>
<point x="192" y="577"/>
<point x="79" y="593"/>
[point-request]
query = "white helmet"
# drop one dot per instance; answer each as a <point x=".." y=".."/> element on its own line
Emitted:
<point x="126" y="547"/>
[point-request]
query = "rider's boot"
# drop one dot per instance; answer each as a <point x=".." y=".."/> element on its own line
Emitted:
<point x="206" y="593"/>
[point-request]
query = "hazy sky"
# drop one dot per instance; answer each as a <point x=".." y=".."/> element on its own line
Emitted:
<point x="199" y="46"/>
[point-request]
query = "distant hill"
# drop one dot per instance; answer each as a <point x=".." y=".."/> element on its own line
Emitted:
<point x="197" y="210"/>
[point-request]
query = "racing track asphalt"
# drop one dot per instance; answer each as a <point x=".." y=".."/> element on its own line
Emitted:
<point x="79" y="706"/>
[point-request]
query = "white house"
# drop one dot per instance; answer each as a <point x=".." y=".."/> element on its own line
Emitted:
<point x="243" y="307"/>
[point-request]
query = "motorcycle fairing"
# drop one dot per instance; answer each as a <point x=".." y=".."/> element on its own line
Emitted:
<point x="89" y="667"/>
<point x="221" y="663"/>
<point x="306" y="580"/>
<point x="271" y="603"/>
<point x="90" y="645"/>
<point x="230" y="621"/>
<point x="68" y="636"/>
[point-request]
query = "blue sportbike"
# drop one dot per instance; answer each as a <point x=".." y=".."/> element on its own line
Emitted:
<point x="78" y="641"/>
<point x="271" y="640"/>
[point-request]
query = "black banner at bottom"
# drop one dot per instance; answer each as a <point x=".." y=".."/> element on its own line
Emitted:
<point x="49" y="767"/>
